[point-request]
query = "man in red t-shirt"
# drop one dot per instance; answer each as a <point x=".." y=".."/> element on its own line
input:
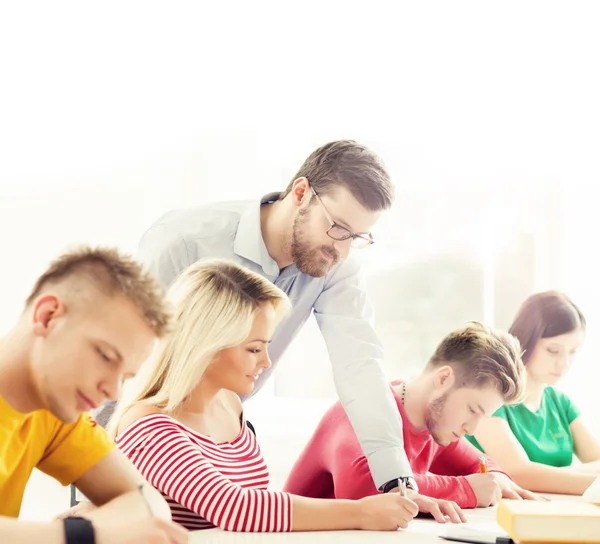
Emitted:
<point x="471" y="374"/>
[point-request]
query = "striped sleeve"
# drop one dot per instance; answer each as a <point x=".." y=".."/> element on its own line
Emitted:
<point x="167" y="457"/>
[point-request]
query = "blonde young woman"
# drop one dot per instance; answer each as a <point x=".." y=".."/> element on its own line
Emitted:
<point x="182" y="424"/>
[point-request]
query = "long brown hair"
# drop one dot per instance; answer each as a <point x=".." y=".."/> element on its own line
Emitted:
<point x="545" y="315"/>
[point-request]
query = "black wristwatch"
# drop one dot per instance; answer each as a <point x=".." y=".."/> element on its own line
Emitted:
<point x="79" y="531"/>
<point x="393" y="484"/>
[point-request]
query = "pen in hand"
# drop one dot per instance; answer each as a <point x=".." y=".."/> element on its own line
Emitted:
<point x="141" y="488"/>
<point x="402" y="487"/>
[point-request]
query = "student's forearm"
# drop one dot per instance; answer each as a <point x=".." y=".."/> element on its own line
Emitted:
<point x="131" y="507"/>
<point x="325" y="514"/>
<point x="587" y="468"/>
<point x="546" y="479"/>
<point x="23" y="532"/>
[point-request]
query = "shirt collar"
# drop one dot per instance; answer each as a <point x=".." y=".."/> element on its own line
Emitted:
<point x="249" y="242"/>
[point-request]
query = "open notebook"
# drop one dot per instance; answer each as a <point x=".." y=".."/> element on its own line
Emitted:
<point x="592" y="493"/>
<point x="478" y="532"/>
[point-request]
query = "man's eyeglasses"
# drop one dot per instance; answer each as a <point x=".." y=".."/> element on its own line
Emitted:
<point x="339" y="233"/>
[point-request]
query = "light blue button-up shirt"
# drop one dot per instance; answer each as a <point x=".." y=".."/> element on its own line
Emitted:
<point x="232" y="230"/>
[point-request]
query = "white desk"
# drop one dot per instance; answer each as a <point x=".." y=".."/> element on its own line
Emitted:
<point x="419" y="531"/>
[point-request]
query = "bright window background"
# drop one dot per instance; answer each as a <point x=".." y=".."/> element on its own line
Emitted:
<point x="487" y="116"/>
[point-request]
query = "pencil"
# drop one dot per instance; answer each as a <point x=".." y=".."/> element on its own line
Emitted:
<point x="482" y="464"/>
<point x="141" y="488"/>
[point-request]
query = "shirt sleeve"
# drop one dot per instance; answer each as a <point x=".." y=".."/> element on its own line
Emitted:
<point x="449" y="488"/>
<point x="345" y="317"/>
<point x="352" y="478"/>
<point x="449" y="469"/>
<point x="74" y="449"/>
<point x="164" y="253"/>
<point x="346" y="462"/>
<point x="172" y="463"/>
<point x="501" y="412"/>
<point x="567" y="406"/>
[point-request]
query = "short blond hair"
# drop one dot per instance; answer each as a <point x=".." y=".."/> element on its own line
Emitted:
<point x="110" y="272"/>
<point x="481" y="357"/>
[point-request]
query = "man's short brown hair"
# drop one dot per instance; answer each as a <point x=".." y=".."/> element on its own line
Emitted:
<point x="482" y="357"/>
<point x="111" y="273"/>
<point x="352" y="165"/>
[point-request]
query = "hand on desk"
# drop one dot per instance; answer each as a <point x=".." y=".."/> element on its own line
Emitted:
<point x="493" y="486"/>
<point x="131" y="518"/>
<point x="438" y="508"/>
<point x="386" y="512"/>
<point x="153" y="531"/>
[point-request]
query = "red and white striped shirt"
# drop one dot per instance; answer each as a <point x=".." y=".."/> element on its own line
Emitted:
<point x="207" y="484"/>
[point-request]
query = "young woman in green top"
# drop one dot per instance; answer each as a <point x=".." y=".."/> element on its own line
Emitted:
<point x="535" y="441"/>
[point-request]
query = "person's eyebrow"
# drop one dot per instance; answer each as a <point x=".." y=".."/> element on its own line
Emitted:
<point x="112" y="350"/>
<point x="342" y="223"/>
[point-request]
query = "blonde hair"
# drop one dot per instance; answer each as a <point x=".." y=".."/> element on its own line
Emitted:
<point x="85" y="271"/>
<point x="481" y="356"/>
<point x="214" y="304"/>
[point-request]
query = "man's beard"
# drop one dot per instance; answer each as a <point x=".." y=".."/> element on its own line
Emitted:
<point x="434" y="412"/>
<point x="309" y="260"/>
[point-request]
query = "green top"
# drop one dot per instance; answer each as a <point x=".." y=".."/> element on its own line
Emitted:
<point x="544" y="434"/>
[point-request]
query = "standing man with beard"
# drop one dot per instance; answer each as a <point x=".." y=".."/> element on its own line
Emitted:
<point x="301" y="240"/>
<point x="472" y="373"/>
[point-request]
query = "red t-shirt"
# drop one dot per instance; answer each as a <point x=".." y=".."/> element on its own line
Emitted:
<point x="333" y="464"/>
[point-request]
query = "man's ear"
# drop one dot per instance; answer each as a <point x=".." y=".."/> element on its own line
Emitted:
<point x="443" y="378"/>
<point x="45" y="310"/>
<point x="300" y="191"/>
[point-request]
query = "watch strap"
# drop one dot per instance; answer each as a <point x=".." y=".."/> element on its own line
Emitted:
<point x="79" y="530"/>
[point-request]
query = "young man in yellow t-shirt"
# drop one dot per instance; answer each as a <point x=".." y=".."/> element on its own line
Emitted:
<point x="90" y="321"/>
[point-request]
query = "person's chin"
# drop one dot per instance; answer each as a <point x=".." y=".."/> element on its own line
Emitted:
<point x="314" y="270"/>
<point x="66" y="414"/>
<point x="321" y="269"/>
<point x="68" y="417"/>
<point x="245" y="388"/>
<point x="443" y="440"/>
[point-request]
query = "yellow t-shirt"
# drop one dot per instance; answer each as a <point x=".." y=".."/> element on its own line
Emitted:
<point x="40" y="440"/>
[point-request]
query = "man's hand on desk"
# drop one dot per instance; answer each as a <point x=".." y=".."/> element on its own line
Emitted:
<point x="438" y="508"/>
<point x="510" y="490"/>
<point x="386" y="512"/>
<point x="493" y="486"/>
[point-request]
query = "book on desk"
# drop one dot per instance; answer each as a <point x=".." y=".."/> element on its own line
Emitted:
<point x="535" y="522"/>
<point x="553" y="521"/>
